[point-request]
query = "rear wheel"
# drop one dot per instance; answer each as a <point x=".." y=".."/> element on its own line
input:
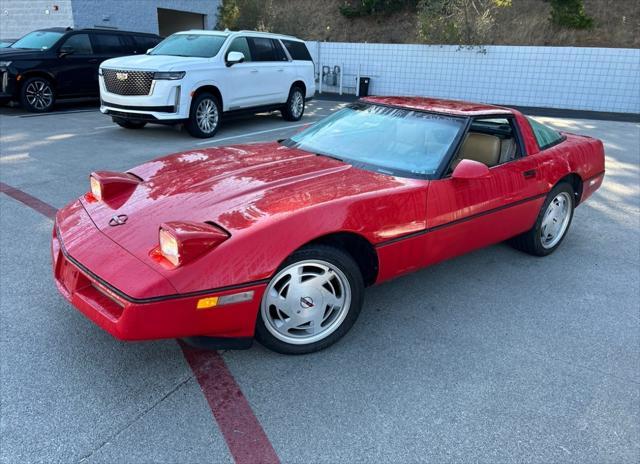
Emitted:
<point x="127" y="124"/>
<point x="311" y="302"/>
<point x="37" y="95"/>
<point x="204" y="117"/>
<point x="294" y="108"/>
<point x="551" y="225"/>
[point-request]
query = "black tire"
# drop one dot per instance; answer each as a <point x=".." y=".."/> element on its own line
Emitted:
<point x="37" y="95"/>
<point x="345" y="263"/>
<point x="292" y="111"/>
<point x="127" y="124"/>
<point x="531" y="241"/>
<point x="192" y="125"/>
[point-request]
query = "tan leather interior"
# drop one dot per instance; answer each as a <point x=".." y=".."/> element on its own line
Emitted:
<point x="481" y="147"/>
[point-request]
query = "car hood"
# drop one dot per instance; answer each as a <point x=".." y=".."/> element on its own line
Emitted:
<point x="153" y="62"/>
<point x="8" y="54"/>
<point x="235" y="187"/>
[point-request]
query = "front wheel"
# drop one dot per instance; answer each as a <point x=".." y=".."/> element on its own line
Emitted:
<point x="311" y="302"/>
<point x="204" y="116"/>
<point x="552" y="223"/>
<point x="294" y="108"/>
<point x="37" y="95"/>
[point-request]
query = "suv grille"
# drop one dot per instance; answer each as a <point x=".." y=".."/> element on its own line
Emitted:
<point x="123" y="82"/>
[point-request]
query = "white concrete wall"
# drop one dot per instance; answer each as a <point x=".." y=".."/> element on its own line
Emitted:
<point x="594" y="79"/>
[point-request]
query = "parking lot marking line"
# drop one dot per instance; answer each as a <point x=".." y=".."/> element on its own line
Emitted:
<point x="29" y="200"/>
<point x="250" y="134"/>
<point x="245" y="437"/>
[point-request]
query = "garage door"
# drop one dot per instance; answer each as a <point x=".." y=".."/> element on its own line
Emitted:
<point x="170" y="21"/>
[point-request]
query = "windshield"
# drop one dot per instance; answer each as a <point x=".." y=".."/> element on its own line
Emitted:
<point x="197" y="45"/>
<point x="390" y="140"/>
<point x="37" y="40"/>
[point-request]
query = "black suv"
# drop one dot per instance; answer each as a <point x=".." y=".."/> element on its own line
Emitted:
<point x="62" y="62"/>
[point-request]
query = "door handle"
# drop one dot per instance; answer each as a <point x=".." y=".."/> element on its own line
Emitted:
<point x="93" y="60"/>
<point x="530" y="174"/>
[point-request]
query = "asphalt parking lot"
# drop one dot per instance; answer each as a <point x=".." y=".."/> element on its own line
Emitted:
<point x="492" y="357"/>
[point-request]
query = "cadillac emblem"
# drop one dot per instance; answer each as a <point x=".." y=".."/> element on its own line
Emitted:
<point x="122" y="76"/>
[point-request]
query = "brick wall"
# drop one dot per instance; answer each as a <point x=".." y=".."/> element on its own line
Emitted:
<point x="595" y="79"/>
<point x="137" y="15"/>
<point x="18" y="17"/>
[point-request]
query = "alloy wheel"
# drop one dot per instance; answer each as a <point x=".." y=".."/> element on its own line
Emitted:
<point x="39" y="94"/>
<point x="207" y="116"/>
<point x="306" y="302"/>
<point x="555" y="220"/>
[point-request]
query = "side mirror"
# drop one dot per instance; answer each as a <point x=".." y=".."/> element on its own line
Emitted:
<point x="64" y="51"/>
<point x="234" y="58"/>
<point x="148" y="51"/>
<point x="469" y="169"/>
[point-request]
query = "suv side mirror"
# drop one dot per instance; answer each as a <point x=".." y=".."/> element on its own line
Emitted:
<point x="234" y="58"/>
<point x="469" y="169"/>
<point x="64" y="51"/>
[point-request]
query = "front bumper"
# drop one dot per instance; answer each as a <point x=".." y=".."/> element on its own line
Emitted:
<point x="167" y="101"/>
<point x="129" y="318"/>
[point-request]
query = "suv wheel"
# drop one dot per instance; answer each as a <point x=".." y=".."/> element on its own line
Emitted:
<point x="37" y="95"/>
<point x="204" y="117"/>
<point x="294" y="108"/>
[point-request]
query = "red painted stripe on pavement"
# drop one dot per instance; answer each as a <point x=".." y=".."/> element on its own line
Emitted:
<point x="29" y="200"/>
<point x="247" y="441"/>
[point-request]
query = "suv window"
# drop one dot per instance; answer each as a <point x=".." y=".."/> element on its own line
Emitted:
<point x="38" y="40"/>
<point x="78" y="44"/>
<point x="264" y="49"/>
<point x="545" y="136"/>
<point x="297" y="50"/>
<point x="196" y="45"/>
<point x="110" y="43"/>
<point x="241" y="45"/>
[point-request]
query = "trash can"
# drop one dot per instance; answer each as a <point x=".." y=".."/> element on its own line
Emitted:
<point x="363" y="87"/>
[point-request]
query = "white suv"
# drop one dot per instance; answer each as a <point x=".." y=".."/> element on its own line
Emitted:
<point x="193" y="77"/>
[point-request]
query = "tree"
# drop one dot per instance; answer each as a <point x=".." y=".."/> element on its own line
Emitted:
<point x="570" y="13"/>
<point x="462" y="22"/>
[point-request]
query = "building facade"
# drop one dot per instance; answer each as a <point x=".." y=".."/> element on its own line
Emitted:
<point x="164" y="17"/>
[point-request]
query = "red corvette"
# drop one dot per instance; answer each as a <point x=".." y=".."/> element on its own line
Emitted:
<point x="278" y="240"/>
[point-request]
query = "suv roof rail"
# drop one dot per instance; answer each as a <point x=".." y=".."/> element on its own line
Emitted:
<point x="275" y="34"/>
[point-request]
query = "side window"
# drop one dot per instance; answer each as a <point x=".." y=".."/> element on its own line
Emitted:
<point x="109" y="43"/>
<point x="241" y="45"/>
<point x="297" y="50"/>
<point x="545" y="136"/>
<point x="280" y="53"/>
<point x="264" y="49"/>
<point x="77" y="44"/>
<point x="491" y="141"/>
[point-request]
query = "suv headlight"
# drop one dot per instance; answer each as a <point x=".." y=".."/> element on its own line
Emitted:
<point x="5" y="64"/>
<point x="169" y="75"/>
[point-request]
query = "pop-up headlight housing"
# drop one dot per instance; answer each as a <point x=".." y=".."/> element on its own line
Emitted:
<point x="181" y="242"/>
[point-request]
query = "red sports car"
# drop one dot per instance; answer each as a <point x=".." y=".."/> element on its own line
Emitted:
<point x="278" y="240"/>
